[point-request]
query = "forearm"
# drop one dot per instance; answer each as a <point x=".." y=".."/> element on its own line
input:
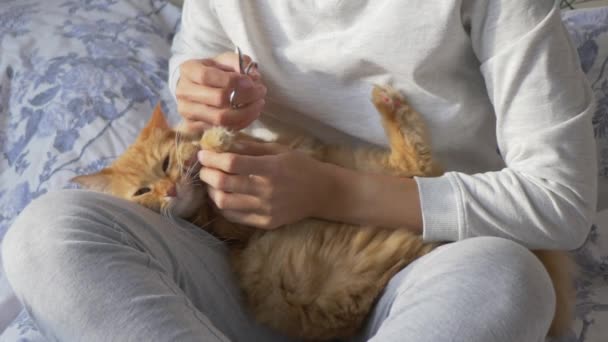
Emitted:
<point x="545" y="195"/>
<point x="369" y="199"/>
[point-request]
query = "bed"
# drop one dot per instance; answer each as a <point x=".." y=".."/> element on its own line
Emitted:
<point x="78" y="79"/>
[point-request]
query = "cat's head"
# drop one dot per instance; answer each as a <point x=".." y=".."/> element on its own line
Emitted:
<point x="159" y="171"/>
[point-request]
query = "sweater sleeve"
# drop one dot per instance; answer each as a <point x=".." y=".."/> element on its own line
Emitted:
<point x="545" y="197"/>
<point x="200" y="36"/>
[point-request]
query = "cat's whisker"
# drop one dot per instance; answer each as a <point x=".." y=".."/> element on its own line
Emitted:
<point x="212" y="239"/>
<point x="178" y="138"/>
<point x="166" y="211"/>
<point x="208" y="223"/>
<point x="170" y="212"/>
<point x="163" y="211"/>
<point x="190" y="169"/>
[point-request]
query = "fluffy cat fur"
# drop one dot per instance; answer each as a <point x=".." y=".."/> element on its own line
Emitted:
<point x="314" y="279"/>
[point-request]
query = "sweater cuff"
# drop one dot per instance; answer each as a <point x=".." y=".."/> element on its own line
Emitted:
<point x="439" y="203"/>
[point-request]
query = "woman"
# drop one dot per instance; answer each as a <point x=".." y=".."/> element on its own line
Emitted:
<point x="510" y="118"/>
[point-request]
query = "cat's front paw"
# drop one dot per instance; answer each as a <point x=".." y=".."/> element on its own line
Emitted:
<point x="218" y="139"/>
<point x="389" y="101"/>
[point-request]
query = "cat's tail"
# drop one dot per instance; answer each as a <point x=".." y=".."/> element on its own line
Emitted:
<point x="560" y="267"/>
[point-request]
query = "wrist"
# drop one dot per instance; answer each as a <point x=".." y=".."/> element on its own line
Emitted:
<point x="330" y="190"/>
<point x="368" y="199"/>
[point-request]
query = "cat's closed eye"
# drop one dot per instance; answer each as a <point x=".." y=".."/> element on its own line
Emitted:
<point x="141" y="191"/>
<point x="166" y="164"/>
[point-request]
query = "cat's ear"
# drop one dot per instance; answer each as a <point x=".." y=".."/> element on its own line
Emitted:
<point x="157" y="121"/>
<point x="99" y="181"/>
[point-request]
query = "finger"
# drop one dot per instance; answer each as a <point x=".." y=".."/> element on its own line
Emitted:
<point x="236" y="163"/>
<point x="194" y="92"/>
<point x="235" y="202"/>
<point x="228" y="117"/>
<point x="242" y="184"/>
<point x="249" y="219"/>
<point x="257" y="148"/>
<point x="192" y="127"/>
<point x="231" y="60"/>
<point x="246" y="92"/>
<point x="208" y="73"/>
<point x="215" y="64"/>
<point x="255" y="75"/>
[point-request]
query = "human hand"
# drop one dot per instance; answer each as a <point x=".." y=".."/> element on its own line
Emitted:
<point x="203" y="93"/>
<point x="264" y="185"/>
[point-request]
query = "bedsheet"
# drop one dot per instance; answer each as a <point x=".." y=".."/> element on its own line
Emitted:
<point x="79" y="78"/>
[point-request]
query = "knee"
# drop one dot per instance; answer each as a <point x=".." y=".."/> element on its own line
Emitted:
<point x="515" y="282"/>
<point x="47" y="215"/>
<point x="478" y="289"/>
<point x="508" y="265"/>
<point x="40" y="236"/>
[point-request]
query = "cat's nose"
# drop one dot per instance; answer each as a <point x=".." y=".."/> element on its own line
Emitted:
<point x="172" y="191"/>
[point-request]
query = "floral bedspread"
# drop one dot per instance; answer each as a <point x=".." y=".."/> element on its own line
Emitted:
<point x="78" y="79"/>
<point x="589" y="32"/>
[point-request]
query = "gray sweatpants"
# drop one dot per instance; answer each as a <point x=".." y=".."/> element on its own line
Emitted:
<point x="89" y="267"/>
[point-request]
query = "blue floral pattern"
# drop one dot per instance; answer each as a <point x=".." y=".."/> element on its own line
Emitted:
<point x="70" y="99"/>
<point x="78" y="79"/>
<point x="589" y="31"/>
<point x="70" y="103"/>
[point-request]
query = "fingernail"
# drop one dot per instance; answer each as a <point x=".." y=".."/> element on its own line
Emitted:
<point x="245" y="83"/>
<point x="200" y="156"/>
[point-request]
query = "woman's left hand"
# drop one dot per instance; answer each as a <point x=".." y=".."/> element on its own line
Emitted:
<point x="264" y="185"/>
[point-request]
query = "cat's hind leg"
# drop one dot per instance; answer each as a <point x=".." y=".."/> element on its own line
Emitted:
<point x="409" y="142"/>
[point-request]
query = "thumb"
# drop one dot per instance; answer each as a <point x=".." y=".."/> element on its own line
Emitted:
<point x="257" y="148"/>
<point x="230" y="61"/>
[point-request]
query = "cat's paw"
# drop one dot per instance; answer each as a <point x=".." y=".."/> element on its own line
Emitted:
<point x="389" y="102"/>
<point x="218" y="139"/>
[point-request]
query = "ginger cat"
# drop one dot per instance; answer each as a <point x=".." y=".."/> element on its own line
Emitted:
<point x="314" y="279"/>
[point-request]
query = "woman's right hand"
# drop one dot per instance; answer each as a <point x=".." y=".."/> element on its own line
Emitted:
<point x="204" y="88"/>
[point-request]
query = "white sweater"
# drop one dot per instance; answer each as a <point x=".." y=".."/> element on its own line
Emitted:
<point x="497" y="81"/>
